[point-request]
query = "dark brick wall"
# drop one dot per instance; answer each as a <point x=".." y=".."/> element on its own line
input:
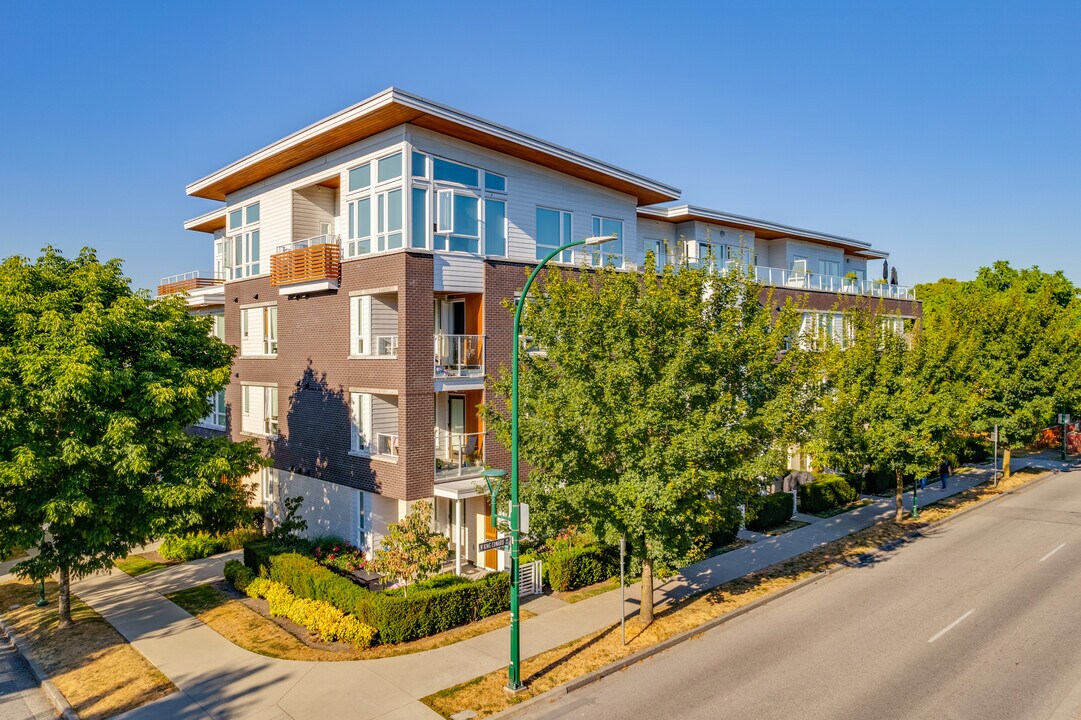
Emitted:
<point x="815" y="300"/>
<point x="314" y="374"/>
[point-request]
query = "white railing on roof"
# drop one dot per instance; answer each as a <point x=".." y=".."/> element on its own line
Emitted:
<point x="325" y="239"/>
<point x="800" y="280"/>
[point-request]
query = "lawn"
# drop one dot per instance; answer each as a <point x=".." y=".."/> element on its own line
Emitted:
<point x="843" y="508"/>
<point x="136" y="565"/>
<point x="99" y="673"/>
<point x="485" y="695"/>
<point x="573" y="596"/>
<point x="787" y="527"/>
<point x="245" y="622"/>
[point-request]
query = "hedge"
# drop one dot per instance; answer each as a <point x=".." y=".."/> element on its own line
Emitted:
<point x="423" y="609"/>
<point x="727" y="528"/>
<point x="201" y="545"/>
<point x="575" y="567"/>
<point x="238" y="574"/>
<point x="826" y="493"/>
<point x="321" y="618"/>
<point x="769" y="511"/>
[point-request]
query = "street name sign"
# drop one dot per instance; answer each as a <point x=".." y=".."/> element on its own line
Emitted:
<point x="503" y="542"/>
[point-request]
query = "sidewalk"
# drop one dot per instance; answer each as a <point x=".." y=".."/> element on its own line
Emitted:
<point x="220" y="680"/>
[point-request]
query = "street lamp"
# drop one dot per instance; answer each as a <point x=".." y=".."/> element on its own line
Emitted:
<point x="42" y="602"/>
<point x="514" y="670"/>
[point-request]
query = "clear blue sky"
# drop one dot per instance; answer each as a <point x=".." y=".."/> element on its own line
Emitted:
<point x="948" y="133"/>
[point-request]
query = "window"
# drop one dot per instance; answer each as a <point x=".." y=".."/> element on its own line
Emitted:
<point x="359" y="240"/>
<point x="389" y="220"/>
<point x="239" y="253"/>
<point x="495" y="183"/>
<point x="553" y="230"/>
<point x="360" y="424"/>
<point x="216" y="418"/>
<point x="495" y="227"/>
<point x="659" y="248"/>
<point x="419" y="230"/>
<point x="360" y="324"/>
<point x="375" y="219"/>
<point x="360" y="178"/>
<point x="420" y="165"/>
<point x="818" y="329"/>
<point x="612" y="251"/>
<point x="829" y="267"/>
<point x="259" y="410"/>
<point x="259" y="331"/>
<point x="389" y="168"/>
<point x="452" y="172"/>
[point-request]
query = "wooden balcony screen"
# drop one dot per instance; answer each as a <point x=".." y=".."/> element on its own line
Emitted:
<point x="188" y="284"/>
<point x="318" y="262"/>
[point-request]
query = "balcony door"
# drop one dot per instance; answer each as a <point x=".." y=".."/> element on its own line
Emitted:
<point x="456" y="416"/>
<point x="451" y="317"/>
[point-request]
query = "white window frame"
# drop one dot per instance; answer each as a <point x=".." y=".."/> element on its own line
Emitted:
<point x="597" y="221"/>
<point x="824" y="262"/>
<point x="360" y="326"/>
<point x="247" y="234"/>
<point x="376" y="193"/>
<point x="215" y="420"/>
<point x="268" y="423"/>
<point x="360" y="424"/>
<point x="440" y="205"/>
<point x="267" y="319"/>
<point x="270" y="411"/>
<point x="566" y="219"/>
<point x="270" y="330"/>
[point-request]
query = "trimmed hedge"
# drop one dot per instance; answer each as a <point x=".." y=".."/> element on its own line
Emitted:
<point x="426" y="608"/>
<point x="201" y="545"/>
<point x="770" y="511"/>
<point x="238" y="574"/>
<point x="727" y="528"/>
<point x="826" y="493"/>
<point x="321" y="618"/>
<point x="575" y="567"/>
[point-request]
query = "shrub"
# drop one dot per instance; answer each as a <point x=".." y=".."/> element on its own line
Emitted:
<point x="193" y="546"/>
<point x="238" y="575"/>
<point x="769" y="511"/>
<point x="574" y="567"/>
<point x="826" y="493"/>
<point x="321" y="618"/>
<point x="727" y="527"/>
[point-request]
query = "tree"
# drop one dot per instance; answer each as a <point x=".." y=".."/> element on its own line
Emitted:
<point x="893" y="401"/>
<point x="657" y="405"/>
<point x="97" y="387"/>
<point x="411" y="550"/>
<point x="1024" y="330"/>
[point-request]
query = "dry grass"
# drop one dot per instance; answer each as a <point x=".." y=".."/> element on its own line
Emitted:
<point x="99" y="673"/>
<point x="142" y="563"/>
<point x="843" y="509"/>
<point x="15" y="554"/>
<point x="588" y="591"/>
<point x="485" y="695"/>
<point x="245" y="622"/>
<point x="787" y="527"/>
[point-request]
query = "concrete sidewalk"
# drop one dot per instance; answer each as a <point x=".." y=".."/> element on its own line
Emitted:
<point x="219" y="680"/>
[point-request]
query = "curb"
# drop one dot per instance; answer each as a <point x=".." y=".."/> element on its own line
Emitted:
<point x="59" y="702"/>
<point x="645" y="653"/>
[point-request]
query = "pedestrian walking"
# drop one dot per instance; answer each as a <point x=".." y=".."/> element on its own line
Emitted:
<point x="943" y="472"/>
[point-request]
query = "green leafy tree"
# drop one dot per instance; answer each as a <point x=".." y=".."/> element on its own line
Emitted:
<point x="658" y="404"/>
<point x="1025" y="329"/>
<point x="892" y="402"/>
<point x="97" y="387"/>
<point x="411" y="550"/>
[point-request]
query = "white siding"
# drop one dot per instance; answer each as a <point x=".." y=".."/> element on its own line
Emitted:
<point x="812" y="252"/>
<point x="854" y="264"/>
<point x="384" y="316"/>
<point x="384" y="415"/>
<point x="457" y="273"/>
<point x="311" y="207"/>
<point x="252" y="420"/>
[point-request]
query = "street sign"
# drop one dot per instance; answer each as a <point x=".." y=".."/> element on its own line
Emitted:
<point x="523" y="518"/>
<point x="498" y="543"/>
<point x="1064" y="418"/>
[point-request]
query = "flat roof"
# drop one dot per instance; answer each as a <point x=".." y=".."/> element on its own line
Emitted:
<point x="207" y="222"/>
<point x="761" y="228"/>
<point x="393" y="107"/>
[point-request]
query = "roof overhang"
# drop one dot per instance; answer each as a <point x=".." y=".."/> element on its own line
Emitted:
<point x="207" y="222"/>
<point x="461" y="489"/>
<point x="761" y="228"/>
<point x="394" y="107"/>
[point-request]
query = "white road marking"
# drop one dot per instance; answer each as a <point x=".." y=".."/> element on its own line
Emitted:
<point x="951" y="626"/>
<point x="1052" y="552"/>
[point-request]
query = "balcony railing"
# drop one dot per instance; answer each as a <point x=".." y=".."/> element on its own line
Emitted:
<point x="308" y="260"/>
<point x="385" y="345"/>
<point x="189" y="281"/>
<point x="780" y="277"/>
<point x="598" y="258"/>
<point x="386" y="445"/>
<point x="459" y="356"/>
<point x="458" y="454"/>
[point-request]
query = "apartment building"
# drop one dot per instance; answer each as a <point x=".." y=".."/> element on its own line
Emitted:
<point x="360" y="266"/>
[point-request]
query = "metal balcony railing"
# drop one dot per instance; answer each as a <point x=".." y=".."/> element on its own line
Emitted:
<point x="459" y="356"/>
<point x="189" y="281"/>
<point x="458" y="454"/>
<point x="780" y="277"/>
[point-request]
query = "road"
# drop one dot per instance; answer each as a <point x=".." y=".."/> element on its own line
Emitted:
<point x="980" y="619"/>
<point x="20" y="698"/>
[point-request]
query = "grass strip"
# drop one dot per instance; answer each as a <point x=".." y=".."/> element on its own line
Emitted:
<point x="136" y="565"/>
<point x="787" y="527"/>
<point x="843" y="508"/>
<point x="95" y="668"/>
<point x="485" y="695"/>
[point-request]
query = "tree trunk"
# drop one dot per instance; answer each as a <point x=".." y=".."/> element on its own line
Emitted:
<point x="645" y="614"/>
<point x="1005" y="463"/>
<point x="900" y="492"/>
<point x="65" y="599"/>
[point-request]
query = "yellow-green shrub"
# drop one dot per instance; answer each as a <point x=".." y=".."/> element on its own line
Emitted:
<point x="321" y="618"/>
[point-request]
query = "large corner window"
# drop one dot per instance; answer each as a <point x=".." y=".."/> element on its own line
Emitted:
<point x="553" y="230"/>
<point x="238" y="253"/>
<point x="467" y="207"/>
<point x="610" y="253"/>
<point x="374" y="207"/>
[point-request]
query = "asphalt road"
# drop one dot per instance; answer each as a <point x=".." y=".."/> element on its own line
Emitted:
<point x="980" y="619"/>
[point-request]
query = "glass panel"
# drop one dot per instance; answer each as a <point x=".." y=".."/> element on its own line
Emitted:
<point x="547" y="227"/>
<point x="495" y="182"/>
<point x="394" y="210"/>
<point x="420" y="164"/>
<point x="394" y="240"/>
<point x="466" y="221"/>
<point x="596" y="227"/>
<point x="236" y="219"/>
<point x="253" y="256"/>
<point x="453" y="172"/>
<point x="613" y="227"/>
<point x="364" y="218"/>
<point x="459" y="243"/>
<point x="495" y="227"/>
<point x="445" y="211"/>
<point x="420" y="218"/>
<point x="360" y="177"/>
<point x="390" y="167"/>
<point x="352" y="220"/>
<point x="252" y="212"/>
<point x="381" y="213"/>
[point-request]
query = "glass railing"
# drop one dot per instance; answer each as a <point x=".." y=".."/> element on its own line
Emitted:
<point x="326" y="239"/>
<point x="458" y="454"/>
<point x="192" y="280"/>
<point x="459" y="356"/>
<point x="780" y="277"/>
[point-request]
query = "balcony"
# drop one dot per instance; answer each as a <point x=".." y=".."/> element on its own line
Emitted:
<point x="309" y="265"/>
<point x="459" y="356"/>
<point x="801" y="280"/>
<point x="186" y="282"/>
<point x="458" y="455"/>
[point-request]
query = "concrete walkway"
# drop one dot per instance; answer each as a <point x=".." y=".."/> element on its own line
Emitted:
<point x="219" y="680"/>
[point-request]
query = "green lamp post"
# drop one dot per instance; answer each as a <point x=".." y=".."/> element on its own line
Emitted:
<point x="494" y="477"/>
